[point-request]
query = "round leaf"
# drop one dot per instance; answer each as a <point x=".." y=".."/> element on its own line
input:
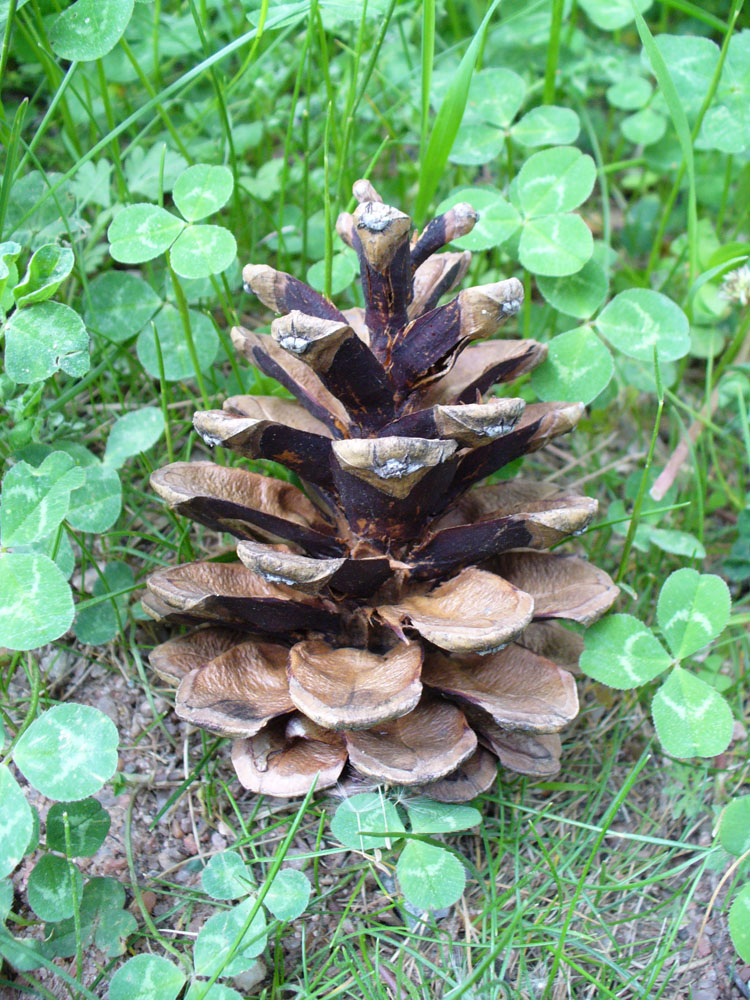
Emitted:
<point x="630" y="93"/>
<point x="364" y="812"/>
<point x="119" y="305"/>
<point x="142" y="232"/>
<point x="96" y="505"/>
<point x="133" y="433"/>
<point x="344" y="269"/>
<point x="89" y="29"/>
<point x="146" y="977"/>
<point x="622" y="652"/>
<point x="201" y="190"/>
<point x="101" y="917"/>
<point x="555" y="180"/>
<point x="289" y="894"/>
<point x="430" y="877"/>
<point x="428" y="816"/>
<point x="640" y="374"/>
<point x="43" y="338"/>
<point x="23" y="954"/>
<point x="51" y="894"/>
<point x="609" y="15"/>
<point x="68" y="752"/>
<point x="6" y="898"/>
<point x="644" y="127"/>
<point x="495" y="95"/>
<point x="99" y="623"/>
<point x="219" y="936"/>
<point x="577" y="368"/>
<point x="226" y="876"/>
<point x="731" y="101"/>
<point x="88" y="825"/>
<point x="692" y="610"/>
<point x="638" y="320"/>
<point x="679" y="543"/>
<point x="725" y="127"/>
<point x="692" y="61"/>
<point x="9" y="250"/>
<point x="217" y="991"/>
<point x="48" y="268"/>
<point x="547" y="125"/>
<point x="578" y="294"/>
<point x="691" y="718"/>
<point x="35" y="500"/>
<point x="178" y="364"/>
<point x="498" y="219"/>
<point x="476" y="144"/>
<point x="16" y="825"/>
<point x="203" y="250"/>
<point x="36" y="605"/>
<point x="739" y="923"/>
<point x="153" y="171"/>
<point x="734" y="826"/>
<point x="555" y="245"/>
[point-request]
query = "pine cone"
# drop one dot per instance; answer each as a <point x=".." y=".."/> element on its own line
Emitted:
<point x="392" y="613"/>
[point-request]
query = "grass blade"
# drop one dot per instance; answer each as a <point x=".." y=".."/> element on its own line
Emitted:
<point x="428" y="58"/>
<point x="448" y="120"/>
<point x="680" y="122"/>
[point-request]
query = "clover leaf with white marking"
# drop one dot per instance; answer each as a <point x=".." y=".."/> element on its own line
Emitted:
<point x="552" y="239"/>
<point x="691" y="717"/>
<point x="430" y="876"/>
<point x="143" y="231"/>
<point x="693" y="609"/>
<point x="636" y="322"/>
<point x="495" y="97"/>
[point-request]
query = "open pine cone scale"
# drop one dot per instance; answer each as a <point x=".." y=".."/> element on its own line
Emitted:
<point x="391" y="616"/>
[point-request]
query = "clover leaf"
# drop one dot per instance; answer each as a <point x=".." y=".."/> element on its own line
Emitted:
<point x="43" y="338"/>
<point x="692" y="610"/>
<point x="48" y="268"/>
<point x="430" y="877"/>
<point x="143" y="231"/>
<point x="36" y="603"/>
<point x="622" y="652"/>
<point x="146" y="977"/>
<point x="362" y="813"/>
<point x="89" y="29"/>
<point x="692" y="719"/>
<point x="17" y="823"/>
<point x="68" y="752"/>
<point x="119" y="305"/>
<point x="35" y="500"/>
<point x="225" y="945"/>
<point x="495" y="96"/>
<point x="102" y="919"/>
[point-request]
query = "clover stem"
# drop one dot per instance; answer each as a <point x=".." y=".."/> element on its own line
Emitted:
<point x="76" y="904"/>
<point x="182" y="307"/>
<point x="35" y="683"/>
<point x="635" y="516"/>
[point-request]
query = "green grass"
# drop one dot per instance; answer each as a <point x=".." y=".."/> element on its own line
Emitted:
<point x="580" y="886"/>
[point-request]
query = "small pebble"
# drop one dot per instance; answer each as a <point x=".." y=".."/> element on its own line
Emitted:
<point x="189" y="845"/>
<point x="250" y="979"/>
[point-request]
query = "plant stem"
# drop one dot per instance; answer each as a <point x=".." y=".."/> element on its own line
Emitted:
<point x="635" y="516"/>
<point x="553" y="52"/>
<point x="182" y="307"/>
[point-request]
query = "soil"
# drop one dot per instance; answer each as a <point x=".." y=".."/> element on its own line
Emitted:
<point x="170" y="846"/>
